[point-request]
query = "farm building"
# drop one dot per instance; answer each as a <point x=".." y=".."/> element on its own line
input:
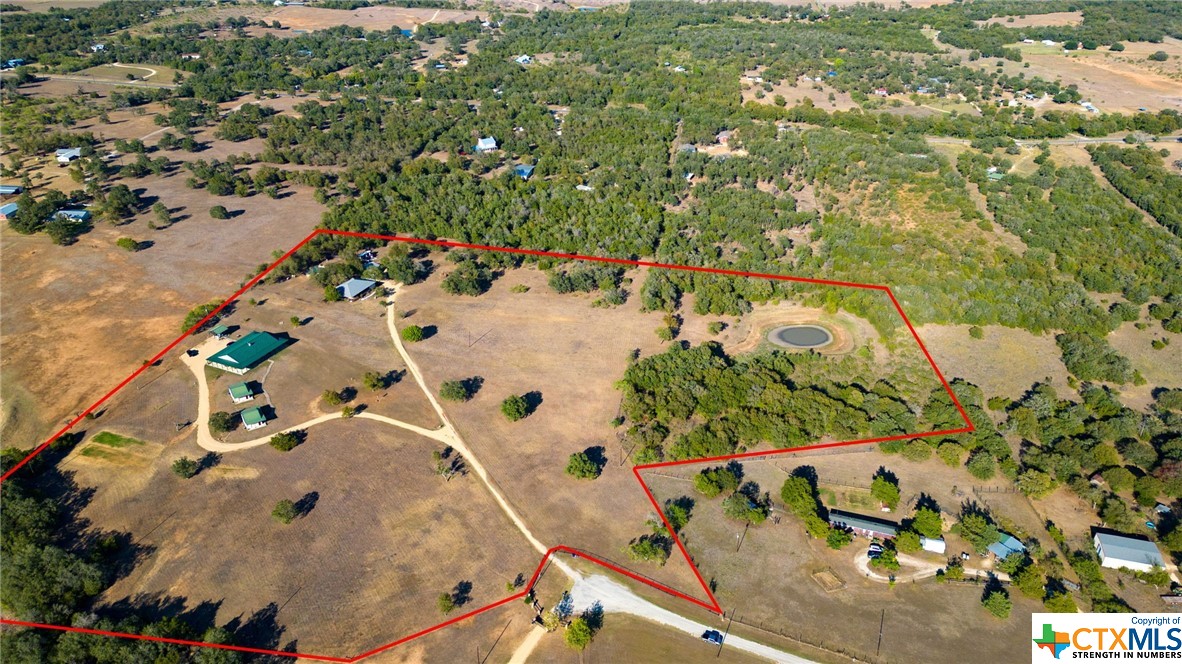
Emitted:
<point x="1117" y="551"/>
<point x="863" y="525"/>
<point x="486" y="144"/>
<point x="13" y="63"/>
<point x="76" y="215"/>
<point x="935" y="545"/>
<point x="7" y="210"/>
<point x="523" y="60"/>
<point x="355" y="288"/>
<point x="240" y="392"/>
<point x="724" y="137"/>
<point x="253" y="418"/>
<point x="220" y="331"/>
<point x="1006" y="545"/>
<point x="246" y="353"/>
<point x="11" y="190"/>
<point x="66" y="155"/>
<point x="523" y="171"/>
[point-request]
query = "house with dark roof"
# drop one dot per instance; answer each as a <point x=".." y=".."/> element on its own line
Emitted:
<point x="1117" y="551"/>
<point x="246" y="353"/>
<point x="356" y="288"/>
<point x="863" y="525"/>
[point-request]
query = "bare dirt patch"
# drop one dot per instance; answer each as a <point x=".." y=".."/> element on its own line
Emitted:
<point x="794" y="92"/>
<point x="1159" y="367"/>
<point x="369" y="18"/>
<point x="849" y="332"/>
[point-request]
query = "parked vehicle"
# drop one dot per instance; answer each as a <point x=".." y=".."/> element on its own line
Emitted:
<point x="712" y="636"/>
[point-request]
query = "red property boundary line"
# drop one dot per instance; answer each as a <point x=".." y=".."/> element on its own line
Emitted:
<point x="712" y="605"/>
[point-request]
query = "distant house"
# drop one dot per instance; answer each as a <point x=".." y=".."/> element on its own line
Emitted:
<point x="1048" y="42"/>
<point x="7" y="210"/>
<point x="1117" y="551"/>
<point x="11" y="190"/>
<point x="679" y="69"/>
<point x="13" y="63"/>
<point x="246" y="353"/>
<point x="584" y="187"/>
<point x="66" y="155"/>
<point x="723" y="137"/>
<point x="240" y="393"/>
<point x="486" y="144"/>
<point x="523" y="171"/>
<point x="1162" y="508"/>
<point x="98" y="48"/>
<point x="995" y="176"/>
<point x="523" y="60"/>
<point x="355" y="288"/>
<point x="935" y="545"/>
<point x="407" y="33"/>
<point x="76" y="215"/>
<point x="881" y="92"/>
<point x="253" y="418"/>
<point x="863" y="525"/>
<point x="1007" y="545"/>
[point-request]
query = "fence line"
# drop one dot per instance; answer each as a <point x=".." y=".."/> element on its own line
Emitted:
<point x="800" y="638"/>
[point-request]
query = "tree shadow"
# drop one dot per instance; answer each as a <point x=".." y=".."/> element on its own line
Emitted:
<point x="887" y="475"/>
<point x="598" y="456"/>
<point x="307" y="503"/>
<point x="348" y="393"/>
<point x="429" y="331"/>
<point x="927" y="501"/>
<point x="532" y="401"/>
<point x="472" y="385"/>
<point x="462" y="593"/>
<point x="234" y="214"/>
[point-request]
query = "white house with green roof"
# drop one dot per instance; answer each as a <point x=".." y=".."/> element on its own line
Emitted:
<point x="253" y="418"/>
<point x="240" y="392"/>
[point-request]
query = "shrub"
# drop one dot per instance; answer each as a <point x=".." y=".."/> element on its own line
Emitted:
<point x="446" y="603"/>
<point x="998" y="603"/>
<point x="286" y="441"/>
<point x="712" y="482"/>
<point x="582" y="466"/>
<point x="454" y="390"/>
<point x="128" y="244"/>
<point x="578" y="634"/>
<point x="838" y="538"/>
<point x="651" y="548"/>
<point x="373" y="381"/>
<point x="219" y="212"/>
<point x="1159" y="56"/>
<point x="1116" y="47"/>
<point x="514" y="407"/>
<point x="976" y="332"/>
<point x="285" y="511"/>
<point x="981" y="465"/>
<point x="411" y="333"/>
<point x="332" y="398"/>
<point x="184" y="467"/>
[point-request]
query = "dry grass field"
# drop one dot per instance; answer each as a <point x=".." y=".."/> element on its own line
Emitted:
<point x="794" y="92"/>
<point x="775" y="578"/>
<point x="79" y="318"/>
<point x="122" y="71"/>
<point x="629" y="639"/>
<point x="1030" y="20"/>
<point x="381" y="536"/>
<point x="1005" y="363"/>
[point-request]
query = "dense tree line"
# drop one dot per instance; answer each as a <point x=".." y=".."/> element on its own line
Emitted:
<point x="1139" y="174"/>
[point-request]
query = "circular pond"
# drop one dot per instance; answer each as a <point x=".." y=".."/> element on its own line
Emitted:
<point x="800" y="336"/>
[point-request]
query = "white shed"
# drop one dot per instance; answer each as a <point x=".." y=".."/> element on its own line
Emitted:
<point x="1117" y="551"/>
<point x="935" y="545"/>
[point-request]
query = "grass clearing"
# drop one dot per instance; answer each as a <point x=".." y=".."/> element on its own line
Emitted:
<point x="115" y="440"/>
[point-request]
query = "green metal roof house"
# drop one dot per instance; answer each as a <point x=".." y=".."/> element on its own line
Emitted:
<point x="246" y="353"/>
<point x="253" y="418"/>
<point x="240" y="392"/>
<point x="220" y="331"/>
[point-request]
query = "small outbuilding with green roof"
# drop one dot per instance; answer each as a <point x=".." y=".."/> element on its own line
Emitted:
<point x="240" y="392"/>
<point x="246" y="353"/>
<point x="253" y="418"/>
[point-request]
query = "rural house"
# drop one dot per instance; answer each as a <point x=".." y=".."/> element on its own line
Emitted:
<point x="523" y="171"/>
<point x="863" y="525"/>
<point x="240" y="392"/>
<point x="66" y="155"/>
<point x="246" y="353"/>
<point x="355" y="288"/>
<point x="1117" y="551"/>
<point x="76" y="215"/>
<point x="1006" y="545"/>
<point x="253" y="418"/>
<point x="7" y="210"/>
<point x="486" y="144"/>
<point x="11" y="190"/>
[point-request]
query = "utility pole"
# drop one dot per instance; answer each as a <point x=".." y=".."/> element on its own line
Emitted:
<point x="742" y="537"/>
<point x="881" y="620"/>
<point x="727" y="632"/>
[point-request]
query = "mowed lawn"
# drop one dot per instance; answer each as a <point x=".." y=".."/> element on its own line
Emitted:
<point x="381" y="538"/>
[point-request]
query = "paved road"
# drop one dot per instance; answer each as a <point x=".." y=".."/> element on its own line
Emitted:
<point x="617" y="598"/>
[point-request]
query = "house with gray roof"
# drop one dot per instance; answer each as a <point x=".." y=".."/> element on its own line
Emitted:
<point x="355" y="288"/>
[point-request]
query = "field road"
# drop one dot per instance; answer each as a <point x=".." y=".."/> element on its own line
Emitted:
<point x="617" y="598"/>
<point x="924" y="570"/>
<point x="614" y="596"/>
<point x="101" y="81"/>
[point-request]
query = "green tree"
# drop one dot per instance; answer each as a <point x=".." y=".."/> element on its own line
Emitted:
<point x="980" y="465"/>
<point x="578" y="634"/>
<point x="885" y="491"/>
<point x="514" y="407"/>
<point x="221" y="422"/>
<point x="332" y="398"/>
<point x="446" y="603"/>
<point x="219" y="212"/>
<point x="927" y="522"/>
<point x="887" y="560"/>
<point x="582" y="466"/>
<point x="196" y="314"/>
<point x="908" y="542"/>
<point x="411" y="333"/>
<point x="998" y="603"/>
<point x="185" y="467"/>
<point x="373" y="381"/>
<point x="1060" y="603"/>
<point x="1035" y="483"/>
<point x="837" y="538"/>
<point x="1159" y="56"/>
<point x="712" y="482"/>
<point x="1119" y="479"/>
<point x="978" y="530"/>
<point x="454" y="390"/>
<point x="331" y="294"/>
<point x="1030" y="580"/>
<point x="128" y="244"/>
<point x="285" y="511"/>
